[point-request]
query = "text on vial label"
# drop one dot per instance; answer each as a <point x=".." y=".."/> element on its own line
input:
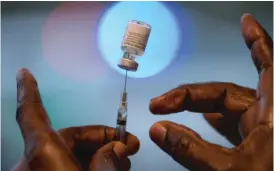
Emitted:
<point x="136" y="36"/>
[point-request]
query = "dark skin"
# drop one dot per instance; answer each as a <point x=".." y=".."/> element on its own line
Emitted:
<point x="71" y="149"/>
<point x="243" y="115"/>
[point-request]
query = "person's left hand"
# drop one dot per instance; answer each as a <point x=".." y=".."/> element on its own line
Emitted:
<point x="70" y="149"/>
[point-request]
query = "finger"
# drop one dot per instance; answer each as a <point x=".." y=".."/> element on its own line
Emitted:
<point x="225" y="125"/>
<point x="31" y="116"/>
<point x="91" y="138"/>
<point x="41" y="142"/>
<point x="214" y="97"/>
<point x="189" y="149"/>
<point x="258" y="41"/>
<point x="261" y="46"/>
<point x="111" y="157"/>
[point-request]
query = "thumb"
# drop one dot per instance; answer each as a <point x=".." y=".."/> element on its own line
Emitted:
<point x="189" y="149"/>
<point x="111" y="157"/>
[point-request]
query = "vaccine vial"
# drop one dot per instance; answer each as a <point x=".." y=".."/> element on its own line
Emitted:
<point x="134" y="44"/>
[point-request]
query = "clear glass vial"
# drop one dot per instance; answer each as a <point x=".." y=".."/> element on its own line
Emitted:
<point x="134" y="44"/>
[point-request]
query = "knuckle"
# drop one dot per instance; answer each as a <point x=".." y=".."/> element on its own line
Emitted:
<point x="176" y="145"/>
<point x="183" y="147"/>
<point x="40" y="146"/>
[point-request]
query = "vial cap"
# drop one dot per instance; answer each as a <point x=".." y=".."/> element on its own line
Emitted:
<point x="128" y="64"/>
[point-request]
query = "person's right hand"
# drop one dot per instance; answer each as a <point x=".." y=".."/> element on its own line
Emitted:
<point x="245" y="111"/>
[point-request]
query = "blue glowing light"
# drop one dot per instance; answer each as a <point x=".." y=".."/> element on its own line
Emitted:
<point x="163" y="42"/>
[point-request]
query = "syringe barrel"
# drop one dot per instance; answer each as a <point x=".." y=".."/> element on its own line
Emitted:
<point x="122" y="119"/>
<point x="121" y="125"/>
<point x="121" y="133"/>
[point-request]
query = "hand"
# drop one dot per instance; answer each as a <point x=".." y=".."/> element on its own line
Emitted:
<point x="251" y="110"/>
<point x="71" y="149"/>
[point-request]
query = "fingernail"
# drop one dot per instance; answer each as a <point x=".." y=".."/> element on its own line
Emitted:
<point x="158" y="133"/>
<point x="246" y="15"/>
<point x="156" y="103"/>
<point x="21" y="73"/>
<point x="24" y="76"/>
<point x="156" y="99"/>
<point x="120" y="150"/>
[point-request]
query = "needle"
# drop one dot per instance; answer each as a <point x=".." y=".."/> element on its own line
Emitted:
<point x="125" y="86"/>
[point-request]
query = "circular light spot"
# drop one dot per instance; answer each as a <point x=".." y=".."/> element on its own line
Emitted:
<point x="163" y="42"/>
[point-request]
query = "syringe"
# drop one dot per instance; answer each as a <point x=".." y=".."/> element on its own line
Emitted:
<point x="133" y="45"/>
<point x="122" y="116"/>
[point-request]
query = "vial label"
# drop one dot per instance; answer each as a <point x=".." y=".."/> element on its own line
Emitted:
<point x="136" y="36"/>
